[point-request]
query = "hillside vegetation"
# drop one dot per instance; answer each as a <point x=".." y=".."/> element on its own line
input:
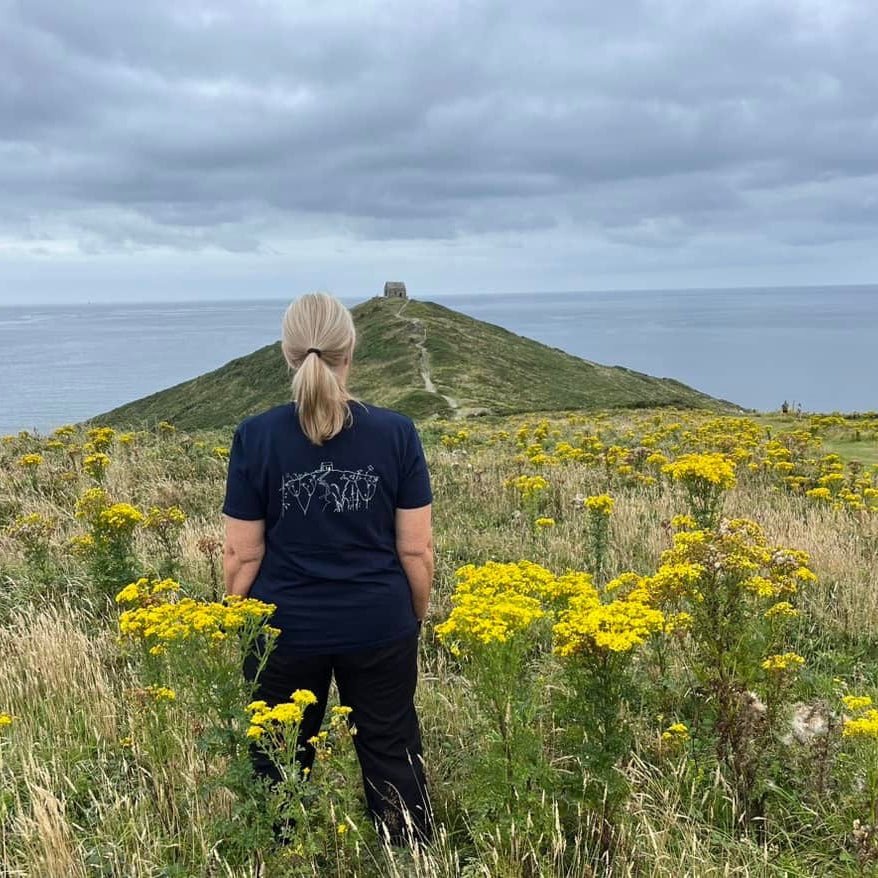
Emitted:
<point x="422" y="359"/>
<point x="652" y="652"/>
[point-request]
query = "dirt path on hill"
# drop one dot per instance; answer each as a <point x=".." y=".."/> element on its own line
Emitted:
<point x="419" y="337"/>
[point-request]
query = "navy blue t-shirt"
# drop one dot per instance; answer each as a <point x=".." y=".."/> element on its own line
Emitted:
<point x="330" y="562"/>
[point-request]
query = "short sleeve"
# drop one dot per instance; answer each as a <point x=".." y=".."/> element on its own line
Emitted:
<point x="414" y="482"/>
<point x="243" y="499"/>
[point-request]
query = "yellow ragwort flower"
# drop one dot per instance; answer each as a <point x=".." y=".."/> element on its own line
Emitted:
<point x="91" y="504"/>
<point x="676" y="733"/>
<point x="865" y="726"/>
<point x="120" y="517"/>
<point x="714" y="469"/>
<point x="589" y="626"/>
<point x="601" y="504"/>
<point x="164" y="519"/>
<point x="159" y="621"/>
<point x="787" y="661"/>
<point x="289" y="713"/>
<point x="162" y="693"/>
<point x="528" y="486"/>
<point x="783" y="609"/>
<point x="684" y="522"/>
<point x="483" y="619"/>
<point x="856" y="703"/>
<point x="131" y="593"/>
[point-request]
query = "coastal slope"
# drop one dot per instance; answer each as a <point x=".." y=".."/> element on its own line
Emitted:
<point x="422" y="359"/>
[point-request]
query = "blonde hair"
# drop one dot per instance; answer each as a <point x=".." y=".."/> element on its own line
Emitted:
<point x="318" y="338"/>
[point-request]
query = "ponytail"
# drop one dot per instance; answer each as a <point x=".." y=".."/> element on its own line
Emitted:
<point x="317" y="341"/>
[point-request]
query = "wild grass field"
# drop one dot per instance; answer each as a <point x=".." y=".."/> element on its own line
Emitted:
<point x="652" y="651"/>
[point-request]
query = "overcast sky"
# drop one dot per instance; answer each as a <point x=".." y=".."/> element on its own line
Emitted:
<point x="268" y="147"/>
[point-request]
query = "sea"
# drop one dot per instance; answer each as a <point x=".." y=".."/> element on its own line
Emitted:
<point x="815" y="347"/>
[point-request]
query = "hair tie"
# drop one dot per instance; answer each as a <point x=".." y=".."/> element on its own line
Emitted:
<point x="315" y="351"/>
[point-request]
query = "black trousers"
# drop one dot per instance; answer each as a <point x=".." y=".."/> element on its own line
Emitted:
<point x="378" y="684"/>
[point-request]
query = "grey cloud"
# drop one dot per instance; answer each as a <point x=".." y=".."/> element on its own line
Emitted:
<point x="186" y="124"/>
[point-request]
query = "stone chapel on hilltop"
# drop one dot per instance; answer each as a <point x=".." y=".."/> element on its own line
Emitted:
<point x="394" y="289"/>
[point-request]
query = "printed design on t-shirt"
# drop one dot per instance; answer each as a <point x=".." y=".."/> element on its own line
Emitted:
<point x="340" y="490"/>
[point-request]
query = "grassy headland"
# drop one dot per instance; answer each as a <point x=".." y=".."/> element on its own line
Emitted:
<point x="405" y="347"/>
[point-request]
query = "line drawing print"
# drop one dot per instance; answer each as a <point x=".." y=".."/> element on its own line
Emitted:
<point x="340" y="490"/>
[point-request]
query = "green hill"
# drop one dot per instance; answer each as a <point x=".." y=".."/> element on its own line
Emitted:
<point x="422" y="359"/>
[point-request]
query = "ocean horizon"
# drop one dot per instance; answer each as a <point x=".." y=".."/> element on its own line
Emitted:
<point x="756" y="347"/>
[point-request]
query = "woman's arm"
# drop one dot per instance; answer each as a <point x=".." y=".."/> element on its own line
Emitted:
<point x="414" y="545"/>
<point x="243" y="553"/>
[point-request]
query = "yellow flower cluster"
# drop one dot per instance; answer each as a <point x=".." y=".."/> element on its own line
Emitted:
<point x="494" y="602"/>
<point x="564" y="452"/>
<point x="819" y="494"/>
<point x="527" y="486"/>
<point x="30" y="461"/>
<point x="587" y="625"/>
<point x="280" y="717"/>
<point x="453" y="440"/>
<point x="787" y="661"/>
<point x="865" y="722"/>
<point x="864" y="726"/>
<point x="676" y="733"/>
<point x="90" y="505"/>
<point x="600" y="504"/>
<point x="856" y="703"/>
<point x="713" y="469"/>
<point x="164" y="519"/>
<point x="781" y="610"/>
<point x="831" y="480"/>
<point x="737" y="549"/>
<point x="163" y="618"/>
<point x="544" y="523"/>
<point x="537" y="457"/>
<point x="6" y="719"/>
<point x="485" y="619"/>
<point x="101" y="437"/>
<point x="144" y="589"/>
<point x="162" y="693"/>
<point x="120" y="517"/>
<point x="735" y="559"/>
<point x="81" y="544"/>
<point x="523" y="577"/>
<point x="497" y="436"/>
<point x="672" y="581"/>
<point x="684" y="522"/>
